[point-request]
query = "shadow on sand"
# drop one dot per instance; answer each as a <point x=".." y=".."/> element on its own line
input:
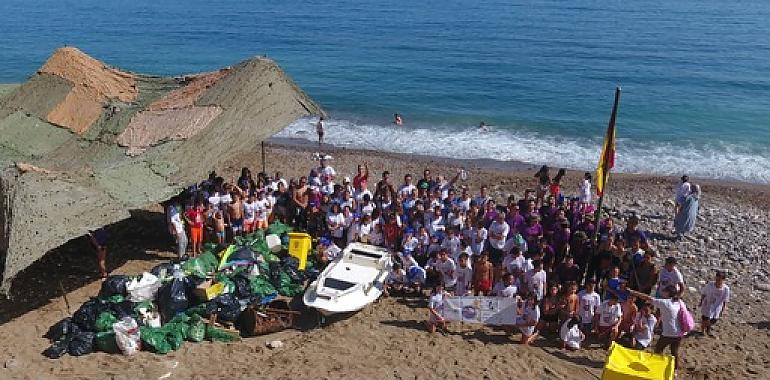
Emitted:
<point x="73" y="264"/>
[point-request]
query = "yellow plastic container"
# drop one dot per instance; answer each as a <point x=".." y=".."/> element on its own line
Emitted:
<point x="627" y="364"/>
<point x="299" y="247"/>
<point x="207" y="292"/>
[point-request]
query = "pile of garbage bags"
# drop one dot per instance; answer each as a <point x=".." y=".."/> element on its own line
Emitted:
<point x="172" y="303"/>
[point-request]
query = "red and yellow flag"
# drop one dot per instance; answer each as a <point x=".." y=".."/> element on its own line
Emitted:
<point x="607" y="158"/>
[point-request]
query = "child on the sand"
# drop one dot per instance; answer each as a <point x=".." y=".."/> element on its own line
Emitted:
<point x="643" y="326"/>
<point x="464" y="275"/>
<point x="235" y="214"/>
<point x="529" y="318"/>
<point x="396" y="280"/>
<point x="194" y="219"/>
<point x="588" y="302"/>
<point x="219" y="227"/>
<point x="570" y="334"/>
<point x="713" y="302"/>
<point x="483" y="273"/>
<point x="435" y="308"/>
<point x="607" y="319"/>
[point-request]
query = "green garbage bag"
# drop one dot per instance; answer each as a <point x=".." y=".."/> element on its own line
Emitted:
<point x="104" y="321"/>
<point x="261" y="286"/>
<point x="278" y="228"/>
<point x="228" y="283"/>
<point x="176" y="333"/>
<point x="202" y="265"/>
<point x="289" y="288"/>
<point x="199" y="310"/>
<point x="214" y="334"/>
<point x="154" y="339"/>
<point x="105" y="342"/>
<point x="180" y="318"/>
<point x="196" y="330"/>
<point x="116" y="299"/>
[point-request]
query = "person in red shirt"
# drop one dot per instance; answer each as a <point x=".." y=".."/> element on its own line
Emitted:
<point x="194" y="219"/>
<point x="361" y="179"/>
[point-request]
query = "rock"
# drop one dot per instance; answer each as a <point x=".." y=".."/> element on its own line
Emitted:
<point x="763" y="287"/>
<point x="274" y="344"/>
<point x="11" y="363"/>
<point x="692" y="289"/>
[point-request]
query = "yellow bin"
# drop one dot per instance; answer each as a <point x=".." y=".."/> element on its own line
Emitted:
<point x="299" y="246"/>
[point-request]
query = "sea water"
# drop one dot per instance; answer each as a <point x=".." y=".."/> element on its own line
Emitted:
<point x="695" y="74"/>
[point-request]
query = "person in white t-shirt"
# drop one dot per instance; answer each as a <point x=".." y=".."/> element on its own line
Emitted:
<point x="446" y="266"/>
<point x="713" y="302"/>
<point x="436" y="308"/>
<point x="588" y="303"/>
<point x="607" y="319"/>
<point x="514" y="261"/>
<point x="463" y="276"/>
<point x="179" y="233"/>
<point x="325" y="170"/>
<point x="506" y="288"/>
<point x="249" y="214"/>
<point x="475" y="237"/>
<point x="406" y="188"/>
<point x="643" y="327"/>
<point x="669" y="308"/>
<point x="670" y="275"/>
<point x="570" y="334"/>
<point x="452" y="244"/>
<point x="396" y="280"/>
<point x="335" y="221"/>
<point x="261" y="213"/>
<point x="529" y="316"/>
<point x="498" y="233"/>
<point x="536" y="279"/>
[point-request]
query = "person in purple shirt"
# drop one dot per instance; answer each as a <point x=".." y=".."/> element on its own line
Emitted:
<point x="587" y="225"/>
<point x="561" y="238"/>
<point x="490" y="213"/>
<point x="573" y="213"/>
<point x="633" y="232"/>
<point x="514" y="219"/>
<point x="532" y="232"/>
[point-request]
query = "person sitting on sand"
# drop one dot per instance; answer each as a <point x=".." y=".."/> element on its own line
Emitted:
<point x="483" y="275"/>
<point x="713" y="302"/>
<point x="529" y="313"/>
<point x="436" y="308"/>
<point x="607" y="319"/>
<point x="395" y="281"/>
<point x="570" y="335"/>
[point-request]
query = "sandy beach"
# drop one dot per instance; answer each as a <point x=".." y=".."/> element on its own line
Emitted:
<point x="387" y="340"/>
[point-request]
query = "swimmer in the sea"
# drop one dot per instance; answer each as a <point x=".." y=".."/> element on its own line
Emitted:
<point x="483" y="127"/>
<point x="397" y="119"/>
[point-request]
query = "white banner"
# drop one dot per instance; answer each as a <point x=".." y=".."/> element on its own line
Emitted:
<point x="486" y="310"/>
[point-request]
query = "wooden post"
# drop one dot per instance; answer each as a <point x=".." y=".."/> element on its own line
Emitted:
<point x="264" y="164"/>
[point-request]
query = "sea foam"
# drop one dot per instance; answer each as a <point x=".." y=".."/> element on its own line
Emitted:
<point x="716" y="161"/>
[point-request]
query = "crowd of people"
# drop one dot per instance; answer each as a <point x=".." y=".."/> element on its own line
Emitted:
<point x="573" y="276"/>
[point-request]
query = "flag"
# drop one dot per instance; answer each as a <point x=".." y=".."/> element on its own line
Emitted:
<point x="607" y="158"/>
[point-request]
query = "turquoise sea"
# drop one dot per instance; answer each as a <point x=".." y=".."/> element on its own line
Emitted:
<point x="695" y="74"/>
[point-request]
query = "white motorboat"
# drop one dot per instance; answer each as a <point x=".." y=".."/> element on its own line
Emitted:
<point x="353" y="280"/>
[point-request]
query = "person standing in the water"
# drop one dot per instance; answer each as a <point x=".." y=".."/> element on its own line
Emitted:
<point x="397" y="120"/>
<point x="319" y="128"/>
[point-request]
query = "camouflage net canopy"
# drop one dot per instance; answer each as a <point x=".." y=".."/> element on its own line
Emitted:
<point x="82" y="143"/>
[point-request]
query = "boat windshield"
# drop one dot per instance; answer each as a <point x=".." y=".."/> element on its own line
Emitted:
<point x="338" y="284"/>
<point x="367" y="254"/>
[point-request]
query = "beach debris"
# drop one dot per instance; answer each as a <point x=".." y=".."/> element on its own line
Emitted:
<point x="763" y="287"/>
<point x="274" y="344"/>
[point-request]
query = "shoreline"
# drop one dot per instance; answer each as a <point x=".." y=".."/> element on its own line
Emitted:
<point x="760" y="191"/>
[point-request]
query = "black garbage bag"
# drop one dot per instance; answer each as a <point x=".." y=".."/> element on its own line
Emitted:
<point x="275" y="274"/>
<point x="173" y="299"/>
<point x="290" y="265"/>
<point x="243" y="254"/>
<point x="169" y="267"/>
<point x="81" y="343"/>
<point x="85" y="317"/>
<point x="242" y="285"/>
<point x="124" y="309"/>
<point x="62" y="330"/>
<point x="57" y="350"/>
<point x="225" y="306"/>
<point x="114" y="285"/>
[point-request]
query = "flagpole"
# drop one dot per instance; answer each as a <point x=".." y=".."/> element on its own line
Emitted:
<point x="605" y="175"/>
